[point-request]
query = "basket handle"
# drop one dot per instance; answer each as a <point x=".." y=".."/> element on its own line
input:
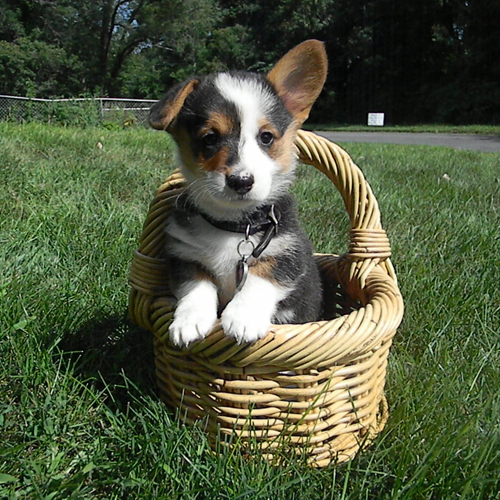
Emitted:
<point x="369" y="245"/>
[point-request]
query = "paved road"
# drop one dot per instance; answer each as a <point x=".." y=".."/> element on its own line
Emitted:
<point x="485" y="143"/>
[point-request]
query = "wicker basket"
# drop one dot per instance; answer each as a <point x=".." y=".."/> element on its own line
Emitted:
<point x="315" y="386"/>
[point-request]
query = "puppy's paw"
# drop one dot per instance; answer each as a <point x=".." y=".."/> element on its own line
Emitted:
<point x="244" y="323"/>
<point x="196" y="313"/>
<point x="191" y="324"/>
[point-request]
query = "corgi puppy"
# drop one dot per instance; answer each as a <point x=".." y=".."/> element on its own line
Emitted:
<point x="234" y="245"/>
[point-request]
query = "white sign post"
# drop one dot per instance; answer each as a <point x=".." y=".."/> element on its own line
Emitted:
<point x="375" y="119"/>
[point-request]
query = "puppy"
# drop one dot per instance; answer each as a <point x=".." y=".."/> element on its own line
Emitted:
<point x="234" y="246"/>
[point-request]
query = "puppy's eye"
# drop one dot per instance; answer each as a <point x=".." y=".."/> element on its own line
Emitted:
<point x="210" y="139"/>
<point x="266" y="138"/>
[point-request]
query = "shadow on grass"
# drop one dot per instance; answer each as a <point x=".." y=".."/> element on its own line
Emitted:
<point x="113" y="355"/>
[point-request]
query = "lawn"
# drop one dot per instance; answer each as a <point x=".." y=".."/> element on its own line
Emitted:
<point x="80" y="416"/>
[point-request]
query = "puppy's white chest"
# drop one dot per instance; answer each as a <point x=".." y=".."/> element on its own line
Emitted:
<point x="215" y="250"/>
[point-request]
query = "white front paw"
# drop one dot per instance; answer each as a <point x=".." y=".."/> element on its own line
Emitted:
<point x="244" y="323"/>
<point x="196" y="313"/>
<point x="191" y="325"/>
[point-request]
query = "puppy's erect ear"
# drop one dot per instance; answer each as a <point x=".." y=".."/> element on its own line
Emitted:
<point x="299" y="76"/>
<point x="163" y="113"/>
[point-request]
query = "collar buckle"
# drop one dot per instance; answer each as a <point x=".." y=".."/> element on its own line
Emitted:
<point x="273" y="218"/>
<point x="271" y="231"/>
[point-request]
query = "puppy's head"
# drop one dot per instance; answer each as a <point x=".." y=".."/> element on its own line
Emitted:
<point x="236" y="131"/>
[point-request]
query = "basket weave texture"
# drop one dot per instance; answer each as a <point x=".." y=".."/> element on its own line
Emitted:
<point x="315" y="386"/>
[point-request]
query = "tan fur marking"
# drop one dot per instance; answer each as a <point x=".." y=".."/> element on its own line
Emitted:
<point x="217" y="162"/>
<point x="263" y="268"/>
<point x="164" y="112"/>
<point x="219" y="122"/>
<point x="282" y="149"/>
<point x="265" y="124"/>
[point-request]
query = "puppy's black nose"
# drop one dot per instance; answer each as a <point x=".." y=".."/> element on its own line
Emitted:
<point x="240" y="183"/>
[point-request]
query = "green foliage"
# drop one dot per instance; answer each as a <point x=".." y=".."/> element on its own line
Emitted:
<point x="229" y="48"/>
<point x="78" y="113"/>
<point x="429" y="61"/>
<point x="79" y="414"/>
<point x="83" y="113"/>
<point x="34" y="68"/>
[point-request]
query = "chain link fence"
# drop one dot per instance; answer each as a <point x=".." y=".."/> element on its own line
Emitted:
<point x="81" y="111"/>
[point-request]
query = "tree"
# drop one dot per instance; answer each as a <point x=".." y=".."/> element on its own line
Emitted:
<point x="162" y="29"/>
<point x="30" y="62"/>
<point x="97" y="39"/>
<point x="471" y="92"/>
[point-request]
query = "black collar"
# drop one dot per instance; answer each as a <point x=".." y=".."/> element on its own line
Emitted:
<point x="260" y="220"/>
<point x="265" y="219"/>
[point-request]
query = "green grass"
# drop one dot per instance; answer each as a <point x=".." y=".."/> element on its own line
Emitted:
<point x="79" y="413"/>
<point x="431" y="128"/>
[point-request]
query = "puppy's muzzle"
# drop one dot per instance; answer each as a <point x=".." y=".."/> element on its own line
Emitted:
<point x="240" y="183"/>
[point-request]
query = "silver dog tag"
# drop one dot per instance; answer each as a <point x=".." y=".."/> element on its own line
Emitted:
<point x="245" y="249"/>
<point x="241" y="273"/>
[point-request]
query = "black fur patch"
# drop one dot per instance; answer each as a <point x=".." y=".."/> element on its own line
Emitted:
<point x="297" y="269"/>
